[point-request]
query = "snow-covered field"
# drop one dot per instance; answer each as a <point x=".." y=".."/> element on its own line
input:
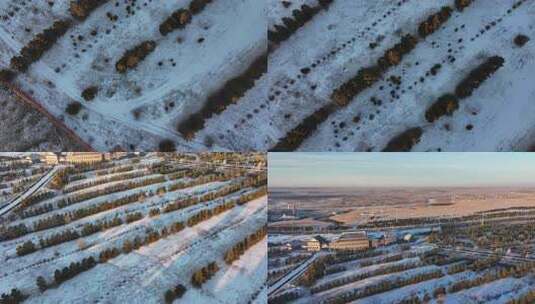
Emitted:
<point x="143" y="275"/>
<point x="335" y="44"/>
<point x="138" y="109"/>
<point x="147" y="104"/>
<point x="403" y="273"/>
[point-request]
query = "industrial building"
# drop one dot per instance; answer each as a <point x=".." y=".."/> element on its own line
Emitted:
<point x="82" y="157"/>
<point x="351" y="241"/>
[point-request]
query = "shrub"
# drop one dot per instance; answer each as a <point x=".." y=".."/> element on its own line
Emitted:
<point x="132" y="217"/>
<point x="175" y="293"/>
<point x="154" y="212"/>
<point x="204" y="274"/>
<point x="90" y="93"/>
<point x="131" y="58"/>
<point x="405" y="141"/>
<point x="80" y="9"/>
<point x="14" y="297"/>
<point x="73" y="108"/>
<point x="462" y="4"/>
<point x="434" y="22"/>
<point x="26" y="248"/>
<point x="445" y="105"/>
<point x="41" y="283"/>
<point x="7" y="75"/>
<point x="520" y="40"/>
<point x="178" y="20"/>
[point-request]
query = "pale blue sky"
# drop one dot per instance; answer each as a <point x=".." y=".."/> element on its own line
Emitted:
<point x="400" y="169"/>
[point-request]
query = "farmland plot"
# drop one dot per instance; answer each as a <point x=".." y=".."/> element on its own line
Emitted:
<point x="178" y="232"/>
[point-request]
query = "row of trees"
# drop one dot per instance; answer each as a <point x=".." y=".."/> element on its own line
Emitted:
<point x="284" y="297"/>
<point x="133" y="57"/>
<point x="100" y="181"/>
<point x="244" y="198"/>
<point x="447" y="104"/>
<point x="462" y="4"/>
<point x="516" y="271"/>
<point x="34" y="199"/>
<point x="206" y="214"/>
<point x="91" y="228"/>
<point x="361" y="276"/>
<point x="35" y="49"/>
<point x="108" y="254"/>
<point x="50" y="222"/>
<point x="344" y="94"/>
<point x="56" y="220"/>
<point x="383" y="286"/>
<point x="193" y="200"/>
<point x="61" y="219"/>
<point x="15" y="297"/>
<point x="42" y="209"/>
<point x="204" y="274"/>
<point x="405" y="141"/>
<point x="178" y="20"/>
<point x="383" y="259"/>
<point x="238" y="249"/>
<point x="444" y="106"/>
<point x="476" y="77"/>
<point x="526" y="298"/>
<point x="73" y="269"/>
<point x="182" y="17"/>
<point x="69" y="235"/>
<point x="58" y="238"/>
<point x="79" y="197"/>
<point x="26" y="248"/>
<point x="13" y="232"/>
<point x="175" y="293"/>
<point x="301" y="16"/>
<point x="116" y="169"/>
<point x="81" y="9"/>
<point x="346" y="256"/>
<point x="229" y="94"/>
<point x="434" y="21"/>
<point x="195" y="182"/>
<point x="62" y="275"/>
<point x="132" y="217"/>
<point x="22" y="184"/>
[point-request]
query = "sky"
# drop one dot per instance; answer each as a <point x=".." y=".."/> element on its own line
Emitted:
<point x="400" y="169"/>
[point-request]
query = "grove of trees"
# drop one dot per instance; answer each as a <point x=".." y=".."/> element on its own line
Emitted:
<point x="238" y="249"/>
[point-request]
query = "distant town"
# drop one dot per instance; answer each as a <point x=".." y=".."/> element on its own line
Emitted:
<point x="398" y="245"/>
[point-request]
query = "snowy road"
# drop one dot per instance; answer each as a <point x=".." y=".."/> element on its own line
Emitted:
<point x="33" y="189"/>
<point x="292" y="275"/>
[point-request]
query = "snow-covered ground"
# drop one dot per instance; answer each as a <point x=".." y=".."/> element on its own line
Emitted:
<point x="335" y="44"/>
<point x="170" y="84"/>
<point x="145" y="274"/>
<point x="375" y="280"/>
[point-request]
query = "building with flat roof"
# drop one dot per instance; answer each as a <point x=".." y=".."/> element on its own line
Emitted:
<point x="49" y="158"/>
<point x="351" y="241"/>
<point x="83" y="157"/>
